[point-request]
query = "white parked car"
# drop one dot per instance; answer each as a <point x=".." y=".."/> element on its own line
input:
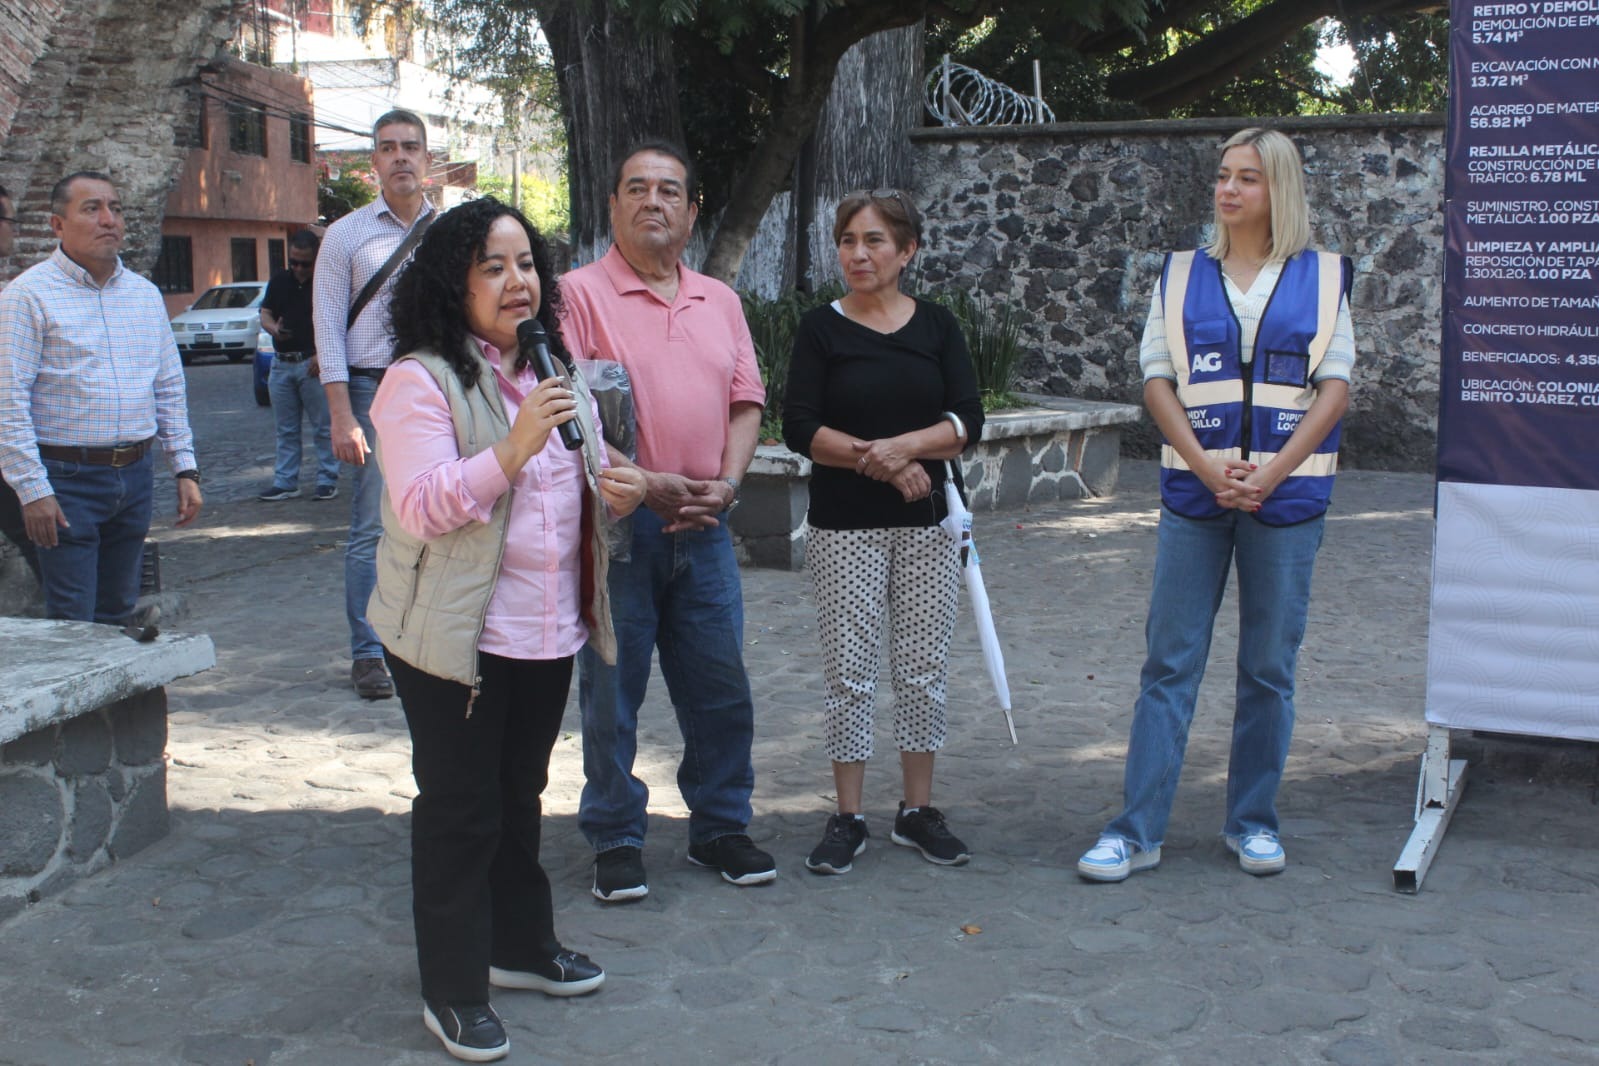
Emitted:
<point x="225" y="320"/>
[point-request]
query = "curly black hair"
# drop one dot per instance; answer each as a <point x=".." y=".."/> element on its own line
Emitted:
<point x="428" y="311"/>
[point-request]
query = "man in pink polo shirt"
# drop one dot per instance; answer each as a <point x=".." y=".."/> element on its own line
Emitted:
<point x="698" y="397"/>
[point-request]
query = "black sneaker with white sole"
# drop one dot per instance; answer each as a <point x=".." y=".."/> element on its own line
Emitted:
<point x="567" y="974"/>
<point x="619" y="875"/>
<point x="844" y="838"/>
<point x="472" y="1032"/>
<point x="277" y="494"/>
<point x="736" y="856"/>
<point x="924" y="829"/>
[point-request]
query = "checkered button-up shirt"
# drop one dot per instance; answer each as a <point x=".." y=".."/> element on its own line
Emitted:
<point x="85" y="365"/>
<point x="352" y="250"/>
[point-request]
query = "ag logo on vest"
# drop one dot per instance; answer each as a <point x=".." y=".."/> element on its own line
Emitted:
<point x="1207" y="362"/>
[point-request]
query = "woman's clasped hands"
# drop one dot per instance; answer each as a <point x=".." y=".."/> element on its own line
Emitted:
<point x="887" y="459"/>
<point x="1240" y="484"/>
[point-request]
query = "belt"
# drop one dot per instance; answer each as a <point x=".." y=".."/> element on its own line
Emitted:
<point x="116" y="456"/>
<point x="367" y="372"/>
<point x="294" y="357"/>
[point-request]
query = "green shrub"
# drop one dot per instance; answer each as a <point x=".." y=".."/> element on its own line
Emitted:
<point x="773" y="324"/>
<point x="993" y="329"/>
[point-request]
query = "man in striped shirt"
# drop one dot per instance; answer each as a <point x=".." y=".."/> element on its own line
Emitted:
<point x="89" y="379"/>
<point x="355" y="353"/>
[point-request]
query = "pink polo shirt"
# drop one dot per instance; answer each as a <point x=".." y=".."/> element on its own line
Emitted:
<point x="689" y="360"/>
<point x="533" y="612"/>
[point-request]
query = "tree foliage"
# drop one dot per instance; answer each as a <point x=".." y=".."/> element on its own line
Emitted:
<point x="1184" y="58"/>
<point x="743" y="81"/>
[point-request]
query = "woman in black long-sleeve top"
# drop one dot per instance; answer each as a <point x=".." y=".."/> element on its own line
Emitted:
<point x="880" y="392"/>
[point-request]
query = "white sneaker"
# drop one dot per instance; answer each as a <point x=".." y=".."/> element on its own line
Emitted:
<point x="1258" y="853"/>
<point x="1115" y="859"/>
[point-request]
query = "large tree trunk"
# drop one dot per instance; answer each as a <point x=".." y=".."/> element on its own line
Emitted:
<point x="816" y="53"/>
<point x="861" y="138"/>
<point x="618" y="85"/>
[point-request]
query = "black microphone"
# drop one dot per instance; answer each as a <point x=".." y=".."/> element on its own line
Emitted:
<point x="532" y="342"/>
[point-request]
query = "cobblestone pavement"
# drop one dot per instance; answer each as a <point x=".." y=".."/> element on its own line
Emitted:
<point x="273" y="925"/>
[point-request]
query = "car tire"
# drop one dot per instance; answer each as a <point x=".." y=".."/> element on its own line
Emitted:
<point x="263" y="397"/>
<point x="237" y="358"/>
<point x="185" y="358"/>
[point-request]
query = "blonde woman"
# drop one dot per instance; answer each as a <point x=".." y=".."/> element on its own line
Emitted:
<point x="1246" y="359"/>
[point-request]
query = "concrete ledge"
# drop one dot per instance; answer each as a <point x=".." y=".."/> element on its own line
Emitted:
<point x="83" y="736"/>
<point x="1056" y="448"/>
<point x="57" y="671"/>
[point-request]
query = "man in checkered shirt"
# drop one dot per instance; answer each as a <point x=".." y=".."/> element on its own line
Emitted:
<point x="89" y="380"/>
<point x="354" y="356"/>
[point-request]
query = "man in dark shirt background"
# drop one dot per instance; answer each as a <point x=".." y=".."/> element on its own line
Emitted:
<point x="294" y="384"/>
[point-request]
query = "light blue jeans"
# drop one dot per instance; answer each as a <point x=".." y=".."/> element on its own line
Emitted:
<point x="680" y="593"/>
<point x="295" y="393"/>
<point x="1191" y="564"/>
<point x="366" y="525"/>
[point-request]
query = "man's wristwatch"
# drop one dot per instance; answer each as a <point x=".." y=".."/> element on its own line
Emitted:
<point x="188" y="475"/>
<point x="733" y="481"/>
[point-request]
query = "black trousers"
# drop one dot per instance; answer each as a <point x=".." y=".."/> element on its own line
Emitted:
<point x="479" y="895"/>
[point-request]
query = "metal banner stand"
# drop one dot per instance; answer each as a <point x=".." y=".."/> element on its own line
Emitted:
<point x="1437" y="795"/>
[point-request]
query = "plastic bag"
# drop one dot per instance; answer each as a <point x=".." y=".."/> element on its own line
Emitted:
<point x="613" y="392"/>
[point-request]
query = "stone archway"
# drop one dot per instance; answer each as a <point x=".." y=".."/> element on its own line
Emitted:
<point x="100" y="85"/>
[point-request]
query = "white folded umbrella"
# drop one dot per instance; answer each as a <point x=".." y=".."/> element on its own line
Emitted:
<point x="958" y="524"/>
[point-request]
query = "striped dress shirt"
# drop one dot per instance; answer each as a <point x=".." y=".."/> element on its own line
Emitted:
<point x="352" y="250"/>
<point x="88" y="366"/>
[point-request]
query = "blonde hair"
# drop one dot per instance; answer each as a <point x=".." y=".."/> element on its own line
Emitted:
<point x="1285" y="184"/>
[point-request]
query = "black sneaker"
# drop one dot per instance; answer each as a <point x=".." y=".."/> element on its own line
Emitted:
<point x="277" y="494"/>
<point x="619" y="874"/>
<point x="469" y="1031"/>
<point x="924" y="829"/>
<point x="844" y="838"/>
<point x="567" y="974"/>
<point x="741" y="862"/>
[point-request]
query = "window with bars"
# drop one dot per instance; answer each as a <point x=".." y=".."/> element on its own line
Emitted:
<point x="247" y="128"/>
<point x="174" y="270"/>
<point x="300" y="138"/>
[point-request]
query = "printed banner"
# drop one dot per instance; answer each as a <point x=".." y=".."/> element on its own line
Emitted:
<point x="1513" y="644"/>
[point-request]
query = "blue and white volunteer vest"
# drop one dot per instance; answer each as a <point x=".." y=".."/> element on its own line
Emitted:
<point x="1249" y="412"/>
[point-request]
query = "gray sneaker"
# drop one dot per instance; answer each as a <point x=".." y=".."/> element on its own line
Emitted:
<point x="326" y="492"/>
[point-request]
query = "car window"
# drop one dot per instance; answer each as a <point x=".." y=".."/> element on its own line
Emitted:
<point x="228" y="297"/>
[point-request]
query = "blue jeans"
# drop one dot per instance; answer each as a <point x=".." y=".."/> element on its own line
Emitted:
<point x="366" y="525"/>
<point x="92" y="574"/>
<point x="295" y="392"/>
<point x="1191" y="563"/>
<point x="679" y="593"/>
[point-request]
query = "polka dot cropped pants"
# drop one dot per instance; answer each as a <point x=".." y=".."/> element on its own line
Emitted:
<point x="914" y="575"/>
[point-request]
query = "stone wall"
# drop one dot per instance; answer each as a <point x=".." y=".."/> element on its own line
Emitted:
<point x="1071" y="221"/>
<point x="106" y="86"/>
<point x="77" y="795"/>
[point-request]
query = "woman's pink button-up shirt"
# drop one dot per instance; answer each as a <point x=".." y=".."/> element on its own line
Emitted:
<point x="533" y="612"/>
